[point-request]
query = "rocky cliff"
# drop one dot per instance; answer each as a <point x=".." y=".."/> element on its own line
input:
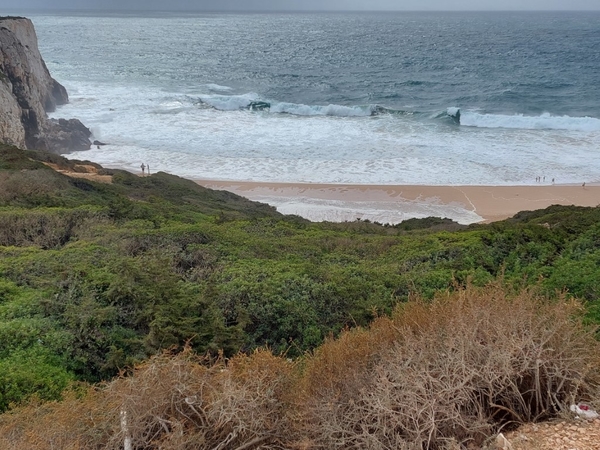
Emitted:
<point x="28" y="92"/>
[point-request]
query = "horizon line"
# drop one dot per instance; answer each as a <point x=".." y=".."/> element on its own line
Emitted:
<point x="265" y="11"/>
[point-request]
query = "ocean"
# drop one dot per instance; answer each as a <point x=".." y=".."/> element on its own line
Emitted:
<point x="346" y="98"/>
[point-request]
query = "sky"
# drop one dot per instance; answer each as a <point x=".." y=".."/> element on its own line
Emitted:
<point x="300" y="5"/>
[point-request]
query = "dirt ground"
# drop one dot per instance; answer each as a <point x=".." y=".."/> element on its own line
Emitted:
<point x="563" y="435"/>
<point x="86" y="171"/>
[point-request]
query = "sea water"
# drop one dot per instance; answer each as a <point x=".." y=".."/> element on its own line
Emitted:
<point x="349" y="98"/>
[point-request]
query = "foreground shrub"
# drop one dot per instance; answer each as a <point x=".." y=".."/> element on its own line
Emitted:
<point x="177" y="403"/>
<point x="455" y="370"/>
<point x="440" y="374"/>
<point x="73" y="424"/>
<point x="170" y="402"/>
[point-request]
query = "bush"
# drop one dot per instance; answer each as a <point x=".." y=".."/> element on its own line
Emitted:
<point x="452" y="371"/>
<point x="45" y="228"/>
<point x="31" y="372"/>
<point x="78" y="422"/>
<point x="177" y="403"/>
<point x="170" y="402"/>
<point x="31" y="188"/>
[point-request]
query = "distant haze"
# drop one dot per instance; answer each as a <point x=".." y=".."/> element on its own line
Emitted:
<point x="301" y="5"/>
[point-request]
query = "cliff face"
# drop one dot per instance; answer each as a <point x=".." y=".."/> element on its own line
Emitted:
<point x="27" y="92"/>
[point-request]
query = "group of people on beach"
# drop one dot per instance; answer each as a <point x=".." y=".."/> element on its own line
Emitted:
<point x="145" y="167"/>
<point x="542" y="180"/>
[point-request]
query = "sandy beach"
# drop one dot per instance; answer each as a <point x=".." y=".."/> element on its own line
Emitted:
<point x="391" y="204"/>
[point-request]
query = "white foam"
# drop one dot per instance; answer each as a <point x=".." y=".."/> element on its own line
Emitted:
<point x="217" y="87"/>
<point x="452" y="111"/>
<point x="318" y="110"/>
<point x="229" y="102"/>
<point x="235" y="102"/>
<point x="543" y="122"/>
<point x="173" y="133"/>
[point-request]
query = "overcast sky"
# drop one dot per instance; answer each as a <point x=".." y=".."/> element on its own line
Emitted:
<point x="302" y="5"/>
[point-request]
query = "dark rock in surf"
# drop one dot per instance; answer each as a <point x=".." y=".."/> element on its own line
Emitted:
<point x="377" y="110"/>
<point x="259" y="106"/>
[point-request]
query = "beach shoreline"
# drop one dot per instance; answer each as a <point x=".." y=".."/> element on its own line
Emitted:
<point x="389" y="203"/>
<point x="394" y="203"/>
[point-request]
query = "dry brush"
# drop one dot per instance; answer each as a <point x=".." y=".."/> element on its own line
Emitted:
<point x="435" y="375"/>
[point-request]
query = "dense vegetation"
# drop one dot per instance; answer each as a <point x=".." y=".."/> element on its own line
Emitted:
<point x="96" y="277"/>
<point x="437" y="375"/>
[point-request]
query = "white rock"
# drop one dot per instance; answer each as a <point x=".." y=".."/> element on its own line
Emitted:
<point x="502" y="443"/>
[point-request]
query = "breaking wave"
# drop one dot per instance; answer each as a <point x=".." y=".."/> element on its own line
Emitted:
<point x="544" y="121"/>
<point x="252" y="102"/>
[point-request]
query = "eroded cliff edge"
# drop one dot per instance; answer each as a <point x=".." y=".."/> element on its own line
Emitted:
<point x="28" y="92"/>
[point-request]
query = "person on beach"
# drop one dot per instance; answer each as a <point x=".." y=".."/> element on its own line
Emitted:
<point x="148" y="169"/>
<point x="143" y="168"/>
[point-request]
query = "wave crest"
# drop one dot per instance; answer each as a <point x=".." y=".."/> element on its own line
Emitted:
<point x="253" y="102"/>
<point x="319" y="110"/>
<point x="545" y="121"/>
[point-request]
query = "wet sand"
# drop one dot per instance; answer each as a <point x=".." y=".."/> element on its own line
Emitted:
<point x="469" y="203"/>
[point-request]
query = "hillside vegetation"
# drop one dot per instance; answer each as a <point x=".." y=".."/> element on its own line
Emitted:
<point x="95" y="278"/>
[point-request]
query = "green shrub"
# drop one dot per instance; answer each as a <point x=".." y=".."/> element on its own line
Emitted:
<point x="31" y="372"/>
